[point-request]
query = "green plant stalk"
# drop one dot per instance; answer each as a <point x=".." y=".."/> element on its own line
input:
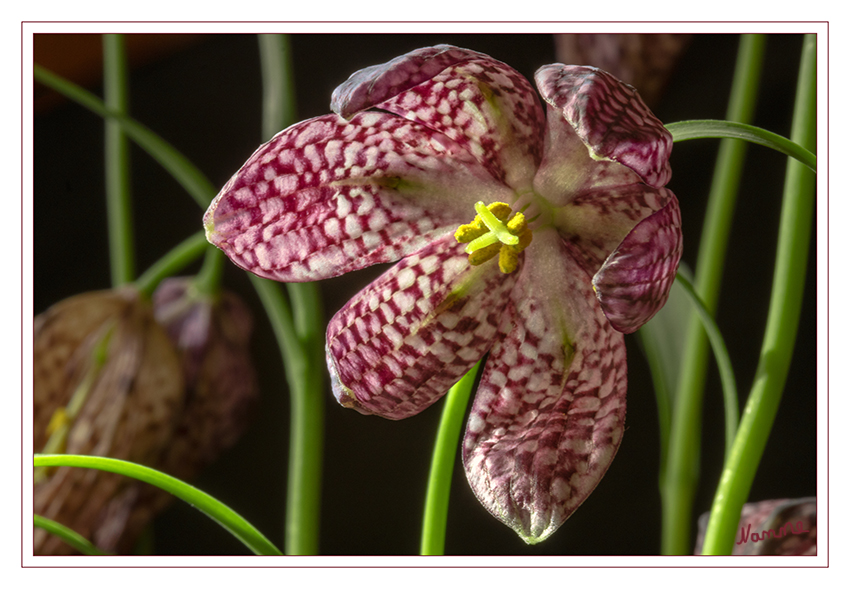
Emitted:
<point x="306" y="423"/>
<point x="724" y="362"/>
<point x="300" y="333"/>
<point x="71" y="537"/>
<point x="709" y="128"/>
<point x="786" y="300"/>
<point x="215" y="509"/>
<point x="680" y="480"/>
<point x="180" y="168"/>
<point x="179" y="257"/>
<point x="442" y="464"/>
<point x="117" y="163"/>
<point x="208" y="279"/>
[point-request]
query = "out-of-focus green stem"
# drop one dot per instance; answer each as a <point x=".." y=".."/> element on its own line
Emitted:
<point x="117" y="162"/>
<point x="75" y="540"/>
<point x="682" y="466"/>
<point x="183" y="254"/>
<point x="783" y="318"/>
<point x="180" y="168"/>
<point x="299" y="332"/>
<point x="442" y="465"/>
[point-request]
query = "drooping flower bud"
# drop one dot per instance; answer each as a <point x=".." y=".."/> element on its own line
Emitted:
<point x="107" y="382"/>
<point x="211" y="335"/>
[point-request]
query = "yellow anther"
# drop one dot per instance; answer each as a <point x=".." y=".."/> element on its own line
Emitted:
<point x="466" y="233"/>
<point x="494" y="232"/>
<point x="518" y="224"/>
<point x="478" y="257"/>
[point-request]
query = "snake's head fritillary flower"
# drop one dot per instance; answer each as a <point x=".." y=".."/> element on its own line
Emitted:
<point x="536" y="237"/>
<point x="106" y="382"/>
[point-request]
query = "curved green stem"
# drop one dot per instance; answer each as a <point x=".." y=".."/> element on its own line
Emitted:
<point x="724" y="363"/>
<point x="172" y="262"/>
<point x="72" y="538"/>
<point x="180" y="168"/>
<point x="215" y="509"/>
<point x="442" y="464"/>
<point x="783" y="318"/>
<point x="707" y="128"/>
<point x="680" y="479"/>
<point x="117" y="163"/>
<point x="208" y="279"/>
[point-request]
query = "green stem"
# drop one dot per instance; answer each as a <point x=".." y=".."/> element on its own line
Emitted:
<point x="300" y="336"/>
<point x="172" y="262"/>
<point x="208" y="279"/>
<point x="724" y="363"/>
<point x="180" y="168"/>
<point x="306" y="436"/>
<point x="707" y="129"/>
<point x="117" y="162"/>
<point x="783" y="318"/>
<point x="682" y="475"/>
<point x="278" y="83"/>
<point x="442" y="465"/>
<point x="71" y="537"/>
<point x="215" y="509"/>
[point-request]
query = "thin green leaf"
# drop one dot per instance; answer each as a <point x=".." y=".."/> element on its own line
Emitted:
<point x="186" y="174"/>
<point x="721" y="355"/>
<point x="215" y="509"/>
<point x="73" y="539"/>
<point x="708" y="128"/>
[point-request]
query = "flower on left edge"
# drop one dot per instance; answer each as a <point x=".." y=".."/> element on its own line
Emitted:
<point x="534" y="238"/>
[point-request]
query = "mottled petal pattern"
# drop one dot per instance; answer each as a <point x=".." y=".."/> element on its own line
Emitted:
<point x="635" y="281"/>
<point x="328" y="196"/>
<point x="372" y="85"/>
<point x="596" y="222"/>
<point x="403" y="341"/>
<point x="550" y="410"/>
<point x="610" y="118"/>
<point x="489" y="109"/>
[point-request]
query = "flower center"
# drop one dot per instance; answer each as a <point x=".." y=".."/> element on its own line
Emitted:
<point x="492" y="232"/>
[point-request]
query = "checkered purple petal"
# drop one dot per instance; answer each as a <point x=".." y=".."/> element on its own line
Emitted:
<point x="549" y="413"/>
<point x="610" y="118"/>
<point x="635" y="280"/>
<point x="328" y="196"/>
<point x="403" y="341"/>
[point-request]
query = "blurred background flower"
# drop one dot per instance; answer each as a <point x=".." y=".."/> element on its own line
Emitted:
<point x="800" y="539"/>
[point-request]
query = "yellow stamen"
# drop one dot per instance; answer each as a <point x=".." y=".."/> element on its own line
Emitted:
<point x="492" y="232"/>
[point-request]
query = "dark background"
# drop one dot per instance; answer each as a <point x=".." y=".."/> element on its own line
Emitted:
<point x="202" y="94"/>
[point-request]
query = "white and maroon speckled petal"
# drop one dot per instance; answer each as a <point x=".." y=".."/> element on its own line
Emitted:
<point x="328" y="196"/>
<point x="489" y="109"/>
<point x="549" y="413"/>
<point x="635" y="280"/>
<point x="594" y="223"/>
<point x="402" y="342"/>
<point x="610" y="118"/>
<point x="372" y="85"/>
